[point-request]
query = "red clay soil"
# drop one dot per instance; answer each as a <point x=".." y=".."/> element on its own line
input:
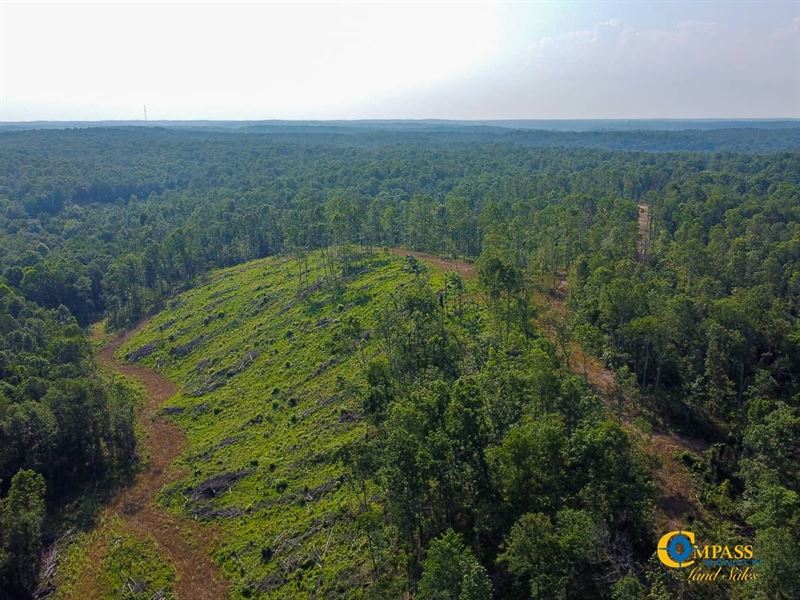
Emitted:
<point x="675" y="498"/>
<point x="184" y="543"/>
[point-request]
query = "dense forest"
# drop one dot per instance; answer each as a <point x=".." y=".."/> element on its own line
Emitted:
<point x="678" y="254"/>
<point x="471" y="442"/>
<point x="66" y="432"/>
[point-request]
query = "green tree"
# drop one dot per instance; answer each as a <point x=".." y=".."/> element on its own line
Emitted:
<point x="450" y="571"/>
<point x="30" y="433"/>
<point x="528" y="465"/>
<point x="21" y="515"/>
<point x="507" y="292"/>
<point x="552" y="555"/>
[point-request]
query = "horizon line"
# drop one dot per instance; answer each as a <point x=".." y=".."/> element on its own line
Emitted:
<point x="398" y="119"/>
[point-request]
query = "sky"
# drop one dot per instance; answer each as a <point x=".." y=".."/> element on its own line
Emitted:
<point x="523" y="60"/>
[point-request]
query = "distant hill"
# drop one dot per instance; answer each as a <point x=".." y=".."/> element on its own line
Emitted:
<point x="645" y="136"/>
<point x="574" y="125"/>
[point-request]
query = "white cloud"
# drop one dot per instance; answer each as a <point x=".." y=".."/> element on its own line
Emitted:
<point x="689" y="69"/>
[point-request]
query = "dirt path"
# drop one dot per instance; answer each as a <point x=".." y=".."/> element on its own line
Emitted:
<point x="185" y="543"/>
<point x="643" y="240"/>
<point x="465" y="269"/>
<point x="675" y="498"/>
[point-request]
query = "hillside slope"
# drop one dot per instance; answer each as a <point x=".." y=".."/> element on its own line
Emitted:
<point x="271" y="380"/>
<point x="266" y="402"/>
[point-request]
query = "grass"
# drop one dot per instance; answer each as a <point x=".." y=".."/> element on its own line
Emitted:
<point x="268" y="400"/>
<point x="126" y="566"/>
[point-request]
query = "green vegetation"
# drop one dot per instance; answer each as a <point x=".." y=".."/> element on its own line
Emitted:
<point x="337" y="430"/>
<point x="360" y="425"/>
<point x="21" y="515"/>
<point x="450" y="571"/>
<point x="110" y="221"/>
<point x="126" y="566"/>
<point x="269" y="401"/>
<point x="66" y="434"/>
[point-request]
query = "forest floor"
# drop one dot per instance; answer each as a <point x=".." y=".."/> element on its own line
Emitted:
<point x="676" y="499"/>
<point x="184" y="543"/>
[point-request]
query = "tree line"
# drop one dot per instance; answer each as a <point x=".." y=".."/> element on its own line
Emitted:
<point x="64" y="431"/>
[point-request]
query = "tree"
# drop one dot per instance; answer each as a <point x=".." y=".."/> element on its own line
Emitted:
<point x="550" y="555"/>
<point x="30" y="433"/>
<point x="454" y="291"/>
<point x="379" y="392"/>
<point x="413" y="265"/>
<point x="21" y="516"/>
<point x="627" y="588"/>
<point x="506" y="290"/>
<point x="415" y="335"/>
<point x="777" y="575"/>
<point x="528" y="464"/>
<point x="461" y="225"/>
<point x="612" y="483"/>
<point x="720" y="388"/>
<point x="60" y="281"/>
<point x="771" y="500"/>
<point x="450" y="571"/>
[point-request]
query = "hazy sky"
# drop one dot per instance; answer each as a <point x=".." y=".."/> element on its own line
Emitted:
<point x="192" y="60"/>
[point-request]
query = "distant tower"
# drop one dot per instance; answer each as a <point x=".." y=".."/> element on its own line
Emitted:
<point x="145" y="113"/>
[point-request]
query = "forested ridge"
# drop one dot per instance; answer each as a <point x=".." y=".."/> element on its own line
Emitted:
<point x="465" y="407"/>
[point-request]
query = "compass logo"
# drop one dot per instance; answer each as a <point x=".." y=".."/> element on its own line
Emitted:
<point x="675" y="549"/>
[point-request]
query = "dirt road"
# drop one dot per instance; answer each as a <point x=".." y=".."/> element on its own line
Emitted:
<point x="465" y="269"/>
<point x="643" y="239"/>
<point x="183" y="542"/>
